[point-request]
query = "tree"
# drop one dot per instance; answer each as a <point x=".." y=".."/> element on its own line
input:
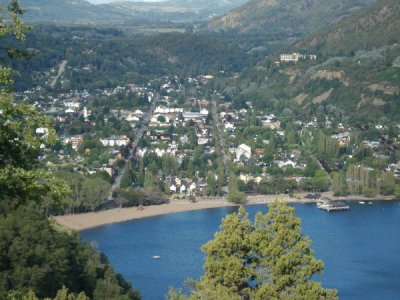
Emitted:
<point x="149" y="181"/>
<point x="321" y="181"/>
<point x="20" y="180"/>
<point x="36" y="259"/>
<point x="387" y="183"/>
<point x="339" y="185"/>
<point x="170" y="165"/>
<point x="269" y="259"/>
<point x="228" y="255"/>
<point x="211" y="184"/>
<point x="286" y="254"/>
<point x="127" y="178"/>
<point x="233" y="191"/>
<point x="397" y="191"/>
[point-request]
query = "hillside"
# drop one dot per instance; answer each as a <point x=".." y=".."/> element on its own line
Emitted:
<point x="285" y="16"/>
<point x="121" y="12"/>
<point x="355" y="76"/>
<point x="377" y="27"/>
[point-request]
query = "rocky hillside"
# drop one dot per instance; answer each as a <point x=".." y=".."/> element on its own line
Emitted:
<point x="375" y="28"/>
<point x="356" y="74"/>
<point x="286" y="16"/>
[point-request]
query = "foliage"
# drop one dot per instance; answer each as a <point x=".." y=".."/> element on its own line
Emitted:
<point x="35" y="256"/>
<point x="339" y="185"/>
<point x="269" y="259"/>
<point x="397" y="191"/>
<point x="321" y="181"/>
<point x="62" y="294"/>
<point x="20" y="181"/>
<point x="135" y="197"/>
<point x="87" y="193"/>
<point x="35" y="259"/>
<point x="233" y="191"/>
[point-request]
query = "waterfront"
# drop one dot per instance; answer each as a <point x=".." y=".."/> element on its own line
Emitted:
<point x="359" y="247"/>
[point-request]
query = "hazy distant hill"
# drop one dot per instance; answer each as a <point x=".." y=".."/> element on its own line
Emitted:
<point x="286" y="16"/>
<point x="83" y="12"/>
<point x="68" y="11"/>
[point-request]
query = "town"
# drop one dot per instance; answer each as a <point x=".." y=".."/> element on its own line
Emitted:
<point x="196" y="144"/>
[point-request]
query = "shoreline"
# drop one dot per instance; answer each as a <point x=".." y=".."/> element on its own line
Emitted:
<point x="80" y="222"/>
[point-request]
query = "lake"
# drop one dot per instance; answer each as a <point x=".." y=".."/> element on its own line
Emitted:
<point x="360" y="248"/>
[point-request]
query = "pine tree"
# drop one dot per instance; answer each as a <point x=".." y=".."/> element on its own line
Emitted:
<point x="268" y="260"/>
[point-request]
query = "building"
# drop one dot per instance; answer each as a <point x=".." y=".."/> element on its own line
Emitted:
<point x="115" y="141"/>
<point x="294" y="57"/>
<point x="243" y="150"/>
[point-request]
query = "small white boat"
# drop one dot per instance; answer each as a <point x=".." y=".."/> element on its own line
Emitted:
<point x="370" y="203"/>
<point x="156" y="257"/>
<point x="361" y="202"/>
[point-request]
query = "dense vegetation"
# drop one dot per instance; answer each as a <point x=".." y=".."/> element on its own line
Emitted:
<point x="37" y="257"/>
<point x="285" y="17"/>
<point x="269" y="259"/>
<point x="114" y="57"/>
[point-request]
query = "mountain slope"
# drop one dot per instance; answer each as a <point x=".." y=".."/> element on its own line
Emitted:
<point x="118" y="12"/>
<point x="377" y="27"/>
<point x="356" y="74"/>
<point x="69" y="11"/>
<point x="286" y="16"/>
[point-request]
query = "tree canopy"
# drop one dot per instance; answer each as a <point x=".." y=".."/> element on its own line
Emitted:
<point x="37" y="258"/>
<point x="269" y="259"/>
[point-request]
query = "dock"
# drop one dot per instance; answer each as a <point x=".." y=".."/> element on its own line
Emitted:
<point x="332" y="206"/>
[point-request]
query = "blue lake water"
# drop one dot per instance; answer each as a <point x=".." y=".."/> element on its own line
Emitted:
<point x="360" y="248"/>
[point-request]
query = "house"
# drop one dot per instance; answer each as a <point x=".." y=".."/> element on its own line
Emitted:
<point x="192" y="188"/>
<point x="178" y="181"/>
<point x="243" y="150"/>
<point x="173" y="188"/>
<point x="108" y="170"/>
<point x="202" y="141"/>
<point x="294" y="57"/>
<point x="260" y="151"/>
<point x="193" y="116"/>
<point x="285" y="163"/>
<point x="42" y="131"/>
<point x="182" y="189"/>
<point x="343" y="138"/>
<point x="229" y="127"/>
<point x="74" y="140"/>
<point x="115" y="141"/>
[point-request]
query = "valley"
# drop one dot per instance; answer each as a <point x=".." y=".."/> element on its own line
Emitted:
<point x="124" y="110"/>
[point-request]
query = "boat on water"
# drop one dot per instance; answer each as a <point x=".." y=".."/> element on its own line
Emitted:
<point x="156" y="256"/>
<point x="331" y="206"/>
<point x="361" y="202"/>
<point x="370" y="203"/>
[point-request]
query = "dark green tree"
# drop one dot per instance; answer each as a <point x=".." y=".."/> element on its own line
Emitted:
<point x="269" y="259"/>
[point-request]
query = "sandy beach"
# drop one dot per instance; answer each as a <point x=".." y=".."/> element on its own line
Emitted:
<point x="84" y="221"/>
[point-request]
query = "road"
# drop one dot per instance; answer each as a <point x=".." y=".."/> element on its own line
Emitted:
<point x="214" y="113"/>
<point x="138" y="136"/>
<point x="61" y="70"/>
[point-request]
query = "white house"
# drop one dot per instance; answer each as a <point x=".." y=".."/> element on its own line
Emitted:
<point x="172" y="188"/>
<point x="290" y="57"/>
<point x="182" y="189"/>
<point x="289" y="162"/>
<point x="115" y="141"/>
<point x="42" y="131"/>
<point x="243" y="150"/>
